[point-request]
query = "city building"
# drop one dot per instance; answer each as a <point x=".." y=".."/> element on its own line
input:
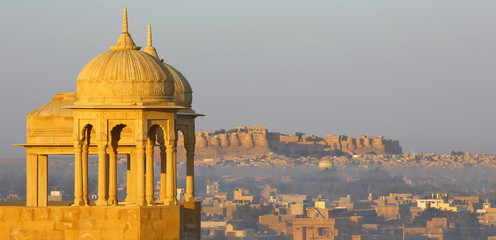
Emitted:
<point x="439" y="201"/>
<point x="55" y="196"/>
<point x="212" y="188"/>
<point x="324" y="224"/>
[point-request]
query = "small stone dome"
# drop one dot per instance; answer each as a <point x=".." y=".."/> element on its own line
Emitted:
<point x="125" y="76"/>
<point x="183" y="94"/>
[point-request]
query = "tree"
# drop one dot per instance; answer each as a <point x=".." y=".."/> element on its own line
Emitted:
<point x="221" y="131"/>
<point x="428" y="214"/>
<point x="299" y="135"/>
<point x="457" y="153"/>
<point x="248" y="213"/>
<point x="467" y="224"/>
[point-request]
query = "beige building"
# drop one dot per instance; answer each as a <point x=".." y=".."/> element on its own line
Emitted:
<point x="487" y="215"/>
<point x="241" y="196"/>
<point x="440" y="204"/>
<point x="233" y="231"/>
<point x="437" y="228"/>
<point x="323" y="224"/>
<point x="127" y="102"/>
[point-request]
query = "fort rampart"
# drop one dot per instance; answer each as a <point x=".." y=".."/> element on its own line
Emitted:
<point x="253" y="141"/>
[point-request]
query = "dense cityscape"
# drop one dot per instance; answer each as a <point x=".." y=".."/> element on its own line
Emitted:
<point x="335" y="195"/>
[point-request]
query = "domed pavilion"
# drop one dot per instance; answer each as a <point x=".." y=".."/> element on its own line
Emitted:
<point x="130" y="103"/>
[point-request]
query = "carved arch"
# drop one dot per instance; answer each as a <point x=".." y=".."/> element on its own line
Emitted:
<point x="115" y="135"/>
<point x="84" y="133"/>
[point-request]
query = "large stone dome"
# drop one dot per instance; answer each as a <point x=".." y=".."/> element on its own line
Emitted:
<point x="125" y="76"/>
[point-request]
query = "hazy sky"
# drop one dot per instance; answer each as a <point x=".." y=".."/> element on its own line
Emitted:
<point x="418" y="71"/>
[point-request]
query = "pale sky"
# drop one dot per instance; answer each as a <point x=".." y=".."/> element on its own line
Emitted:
<point x="419" y="71"/>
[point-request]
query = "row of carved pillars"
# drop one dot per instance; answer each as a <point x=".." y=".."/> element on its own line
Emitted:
<point x="140" y="182"/>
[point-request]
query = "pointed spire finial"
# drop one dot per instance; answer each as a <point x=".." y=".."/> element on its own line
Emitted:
<point x="125" y="42"/>
<point x="149" y="36"/>
<point x="149" y="48"/>
<point x="124" y="21"/>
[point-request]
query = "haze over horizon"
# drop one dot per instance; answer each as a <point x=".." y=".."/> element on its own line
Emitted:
<point x="417" y="71"/>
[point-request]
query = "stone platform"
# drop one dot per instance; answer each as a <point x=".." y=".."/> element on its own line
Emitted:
<point x="107" y="222"/>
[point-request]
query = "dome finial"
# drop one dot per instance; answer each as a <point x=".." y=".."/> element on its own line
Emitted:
<point x="149" y="36"/>
<point x="149" y="48"/>
<point x="125" y="42"/>
<point x="124" y="21"/>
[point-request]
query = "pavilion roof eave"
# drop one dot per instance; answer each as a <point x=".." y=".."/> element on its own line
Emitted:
<point x="191" y="114"/>
<point x="59" y="145"/>
<point x="123" y="107"/>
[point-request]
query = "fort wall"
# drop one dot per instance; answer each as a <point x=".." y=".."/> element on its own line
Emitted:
<point x="255" y="141"/>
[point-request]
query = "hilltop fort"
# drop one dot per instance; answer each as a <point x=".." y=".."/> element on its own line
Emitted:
<point x="255" y="141"/>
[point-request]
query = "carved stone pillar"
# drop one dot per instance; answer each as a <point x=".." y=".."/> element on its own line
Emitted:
<point x="140" y="173"/>
<point x="163" y="165"/>
<point x="31" y="179"/>
<point x="190" y="173"/>
<point x="149" y="172"/>
<point x="42" y="180"/>
<point x="171" y="189"/>
<point x="84" y="160"/>
<point x="78" y="180"/>
<point x="102" y="174"/>
<point x="174" y="172"/>
<point x="163" y="173"/>
<point x="112" y="198"/>
<point x="107" y="167"/>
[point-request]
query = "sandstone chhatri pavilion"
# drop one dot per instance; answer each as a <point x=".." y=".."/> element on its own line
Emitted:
<point x="127" y="102"/>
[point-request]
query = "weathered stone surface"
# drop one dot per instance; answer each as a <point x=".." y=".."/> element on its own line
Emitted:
<point x="35" y="225"/>
<point x="129" y="214"/>
<point x="111" y="222"/>
<point x="12" y="213"/>
<point x="10" y="224"/>
<point x="71" y="234"/>
<point x="112" y="213"/>
<point x="111" y="234"/>
<point x="41" y="214"/>
<point x="71" y="214"/>
<point x="131" y="234"/>
<point x="89" y="234"/>
<point x="64" y="225"/>
<point x="27" y="214"/>
<point x="4" y="234"/>
<point x="56" y="213"/>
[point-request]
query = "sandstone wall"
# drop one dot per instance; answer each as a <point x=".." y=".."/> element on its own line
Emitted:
<point x="112" y="222"/>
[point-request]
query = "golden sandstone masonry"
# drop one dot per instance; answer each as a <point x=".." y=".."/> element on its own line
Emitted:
<point x="91" y="222"/>
<point x="127" y="102"/>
